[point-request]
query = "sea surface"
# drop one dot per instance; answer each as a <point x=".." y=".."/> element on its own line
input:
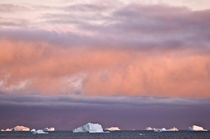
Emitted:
<point x="108" y="135"/>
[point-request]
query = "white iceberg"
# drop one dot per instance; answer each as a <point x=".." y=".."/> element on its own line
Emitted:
<point x="171" y="129"/>
<point x="196" y="128"/>
<point x="51" y="129"/>
<point x="90" y="128"/>
<point x="153" y="129"/>
<point x="33" y="130"/>
<point x="39" y="131"/>
<point x="21" y="128"/>
<point x="161" y="129"/>
<point x="113" y="128"/>
<point x="149" y="129"/>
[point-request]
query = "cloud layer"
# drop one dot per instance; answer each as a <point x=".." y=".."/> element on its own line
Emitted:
<point x="52" y="70"/>
<point x="125" y="49"/>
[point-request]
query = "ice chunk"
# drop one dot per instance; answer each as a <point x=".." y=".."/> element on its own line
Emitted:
<point x="39" y="131"/>
<point x="173" y="129"/>
<point x="196" y="128"/>
<point x="161" y="129"/>
<point x="17" y="128"/>
<point x="89" y="127"/>
<point x="113" y="129"/>
<point x="33" y="130"/>
<point x="21" y="128"/>
<point x="149" y="128"/>
<point x="7" y="130"/>
<point x="49" y="129"/>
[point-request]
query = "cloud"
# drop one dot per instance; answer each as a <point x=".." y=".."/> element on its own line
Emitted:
<point x="96" y="101"/>
<point x="132" y="50"/>
<point x="56" y="70"/>
<point x="12" y="8"/>
<point x="140" y="25"/>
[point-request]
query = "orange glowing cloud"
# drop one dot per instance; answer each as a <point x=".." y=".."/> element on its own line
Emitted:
<point x="31" y="68"/>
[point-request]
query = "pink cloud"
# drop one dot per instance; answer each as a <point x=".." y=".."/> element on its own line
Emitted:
<point x="54" y="70"/>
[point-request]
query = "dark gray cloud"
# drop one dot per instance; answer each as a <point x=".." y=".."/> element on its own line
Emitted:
<point x="83" y="101"/>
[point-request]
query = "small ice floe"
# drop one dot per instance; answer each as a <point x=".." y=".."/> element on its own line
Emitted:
<point x="90" y="128"/>
<point x="113" y="129"/>
<point x="196" y="128"/>
<point x="50" y="129"/>
<point x="141" y="134"/>
<point x="39" y="131"/>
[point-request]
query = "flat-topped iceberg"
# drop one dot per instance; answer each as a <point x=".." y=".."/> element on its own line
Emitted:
<point x="161" y="129"/>
<point x="173" y="129"/>
<point x="21" y="128"/>
<point x="149" y="129"/>
<point x="90" y="128"/>
<point x="7" y="130"/>
<point x="196" y="128"/>
<point x="113" y="128"/>
<point x="51" y="129"/>
<point x="17" y="128"/>
<point x="170" y="129"/>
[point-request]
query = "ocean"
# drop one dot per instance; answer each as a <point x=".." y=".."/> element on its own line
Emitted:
<point x="108" y="135"/>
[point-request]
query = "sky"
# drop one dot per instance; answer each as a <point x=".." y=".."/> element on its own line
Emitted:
<point x="126" y="63"/>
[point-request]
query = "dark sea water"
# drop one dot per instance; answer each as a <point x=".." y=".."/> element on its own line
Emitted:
<point x="111" y="135"/>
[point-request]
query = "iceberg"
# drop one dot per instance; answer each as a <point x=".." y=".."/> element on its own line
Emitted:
<point x="21" y="128"/>
<point x="39" y="131"/>
<point x="161" y="129"/>
<point x="6" y="130"/>
<point x="51" y="129"/>
<point x="196" y="128"/>
<point x="90" y="128"/>
<point x="113" y="129"/>
<point x="173" y="129"/>
<point x="17" y="128"/>
<point x="149" y="129"/>
<point x="33" y="130"/>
